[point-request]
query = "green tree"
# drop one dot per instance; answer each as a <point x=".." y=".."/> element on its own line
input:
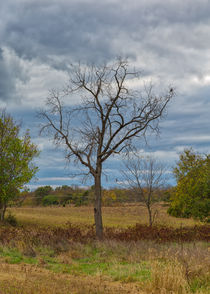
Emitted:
<point x="41" y="192"/>
<point x="16" y="155"/>
<point x="191" y="197"/>
<point x="50" y="200"/>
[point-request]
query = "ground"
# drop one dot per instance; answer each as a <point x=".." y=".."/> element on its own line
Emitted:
<point x="54" y="250"/>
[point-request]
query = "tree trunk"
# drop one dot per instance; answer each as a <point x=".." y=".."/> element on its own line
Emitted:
<point x="97" y="207"/>
<point x="2" y="211"/>
<point x="150" y="216"/>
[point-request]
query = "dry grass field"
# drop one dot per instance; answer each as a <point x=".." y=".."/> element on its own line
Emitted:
<point x="44" y="254"/>
<point x="119" y="216"/>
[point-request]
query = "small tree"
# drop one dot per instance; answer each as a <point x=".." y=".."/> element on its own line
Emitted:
<point x="191" y="197"/>
<point x="50" y="200"/>
<point x="16" y="155"/>
<point x="110" y="116"/>
<point x="145" y="176"/>
<point x="41" y="192"/>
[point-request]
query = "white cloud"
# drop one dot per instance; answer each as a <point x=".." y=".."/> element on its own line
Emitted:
<point x="33" y="187"/>
<point x="162" y="155"/>
<point x="53" y="179"/>
<point x="192" y="139"/>
<point x="43" y="143"/>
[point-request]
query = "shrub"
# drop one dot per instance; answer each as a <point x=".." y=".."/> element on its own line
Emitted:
<point x="11" y="219"/>
<point x="50" y="200"/>
<point x="191" y="198"/>
<point x="41" y="192"/>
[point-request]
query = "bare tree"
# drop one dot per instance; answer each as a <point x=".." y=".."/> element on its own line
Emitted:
<point x="106" y="121"/>
<point x="145" y="176"/>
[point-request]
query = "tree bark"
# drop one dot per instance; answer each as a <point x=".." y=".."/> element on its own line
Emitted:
<point x="150" y="216"/>
<point x="2" y="211"/>
<point x="97" y="207"/>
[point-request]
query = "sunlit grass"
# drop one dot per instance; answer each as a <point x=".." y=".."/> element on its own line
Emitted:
<point x="121" y="216"/>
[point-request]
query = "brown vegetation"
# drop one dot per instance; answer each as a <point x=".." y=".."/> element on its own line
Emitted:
<point x="85" y="233"/>
<point x="67" y="258"/>
<point x="171" y="268"/>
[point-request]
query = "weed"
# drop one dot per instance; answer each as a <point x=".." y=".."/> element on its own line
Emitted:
<point x="11" y="219"/>
<point x="65" y="258"/>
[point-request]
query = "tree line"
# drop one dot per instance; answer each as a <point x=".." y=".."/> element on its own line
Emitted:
<point x="76" y="196"/>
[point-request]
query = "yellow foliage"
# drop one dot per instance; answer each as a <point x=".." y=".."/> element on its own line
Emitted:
<point x="108" y="197"/>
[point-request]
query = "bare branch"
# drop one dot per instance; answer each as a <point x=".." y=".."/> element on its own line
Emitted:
<point x="144" y="176"/>
<point x="109" y="118"/>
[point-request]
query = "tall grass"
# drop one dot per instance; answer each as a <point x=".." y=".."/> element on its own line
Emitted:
<point x="45" y="254"/>
<point x="112" y="216"/>
<point x="105" y="267"/>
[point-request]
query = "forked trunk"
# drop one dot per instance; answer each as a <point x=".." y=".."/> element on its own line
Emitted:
<point x="97" y="207"/>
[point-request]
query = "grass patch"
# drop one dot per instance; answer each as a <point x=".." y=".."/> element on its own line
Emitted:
<point x="126" y="272"/>
<point x="117" y="271"/>
<point x="200" y="284"/>
<point x="13" y="256"/>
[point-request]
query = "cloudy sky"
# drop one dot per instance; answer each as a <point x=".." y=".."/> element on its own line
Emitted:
<point x="169" y="41"/>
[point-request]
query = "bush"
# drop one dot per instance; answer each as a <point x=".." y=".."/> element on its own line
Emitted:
<point x="11" y="219"/>
<point x="191" y="198"/>
<point x="79" y="199"/>
<point x="50" y="200"/>
<point x="41" y="192"/>
<point x="66" y="199"/>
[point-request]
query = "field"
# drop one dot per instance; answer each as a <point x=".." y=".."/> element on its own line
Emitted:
<point x="119" y="216"/>
<point x="54" y="250"/>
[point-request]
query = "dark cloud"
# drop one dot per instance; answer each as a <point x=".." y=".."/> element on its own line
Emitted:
<point x="163" y="36"/>
<point x="11" y="72"/>
<point x="168" y="40"/>
<point x="71" y="28"/>
<point x="91" y="30"/>
<point x="7" y="85"/>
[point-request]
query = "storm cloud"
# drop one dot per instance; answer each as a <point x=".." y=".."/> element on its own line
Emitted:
<point x="169" y="41"/>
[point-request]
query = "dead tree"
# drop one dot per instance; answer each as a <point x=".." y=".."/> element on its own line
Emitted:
<point x="106" y="120"/>
<point x="145" y="176"/>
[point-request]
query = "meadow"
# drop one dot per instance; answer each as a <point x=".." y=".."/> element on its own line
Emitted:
<point x="113" y="216"/>
<point x="54" y="250"/>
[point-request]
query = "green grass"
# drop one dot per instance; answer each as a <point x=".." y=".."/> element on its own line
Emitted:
<point x="13" y="256"/>
<point x="200" y="284"/>
<point x="91" y="265"/>
<point x="130" y="272"/>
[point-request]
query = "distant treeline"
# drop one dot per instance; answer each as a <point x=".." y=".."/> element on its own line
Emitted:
<point x="71" y="195"/>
